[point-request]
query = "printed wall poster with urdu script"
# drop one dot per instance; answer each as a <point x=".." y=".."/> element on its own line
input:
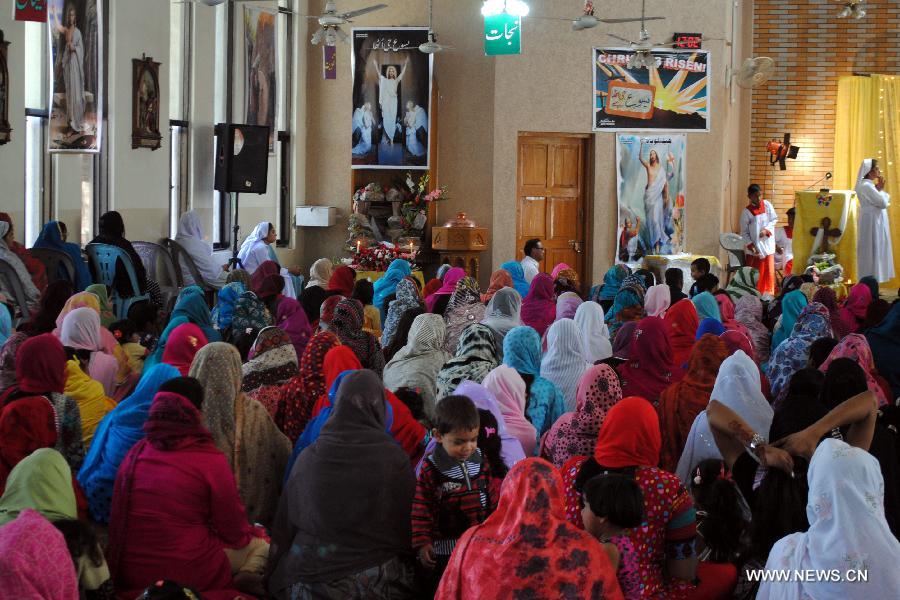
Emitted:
<point x="391" y="98"/>
<point x="650" y="179"/>
<point x="673" y="95"/>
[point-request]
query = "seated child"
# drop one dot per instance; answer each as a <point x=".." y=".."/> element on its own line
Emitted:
<point x="126" y="334"/>
<point x="699" y="268"/>
<point x="454" y="490"/>
<point x="614" y="503"/>
<point x="675" y="281"/>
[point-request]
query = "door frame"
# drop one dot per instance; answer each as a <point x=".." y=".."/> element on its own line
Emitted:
<point x="588" y="188"/>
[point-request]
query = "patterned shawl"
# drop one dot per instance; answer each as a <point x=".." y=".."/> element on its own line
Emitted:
<point x="792" y="355"/>
<point x="613" y="280"/>
<point x="749" y="312"/>
<point x="499" y="280"/>
<point x="565" y="363"/>
<point x="828" y="298"/>
<point x="464" y="309"/>
<point x="522" y="352"/>
<point x="348" y="326"/>
<point x="575" y="433"/>
<point x="475" y="358"/>
<point x="224" y="311"/>
<point x="743" y="283"/>
<point x="273" y="361"/>
<point x="417" y="364"/>
<point x="299" y="395"/>
<point x="407" y="298"/>
<point x="855" y="347"/>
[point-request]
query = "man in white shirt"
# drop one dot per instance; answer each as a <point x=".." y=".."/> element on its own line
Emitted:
<point x="534" y="254"/>
<point x="784" y="245"/>
<point x="758" y="222"/>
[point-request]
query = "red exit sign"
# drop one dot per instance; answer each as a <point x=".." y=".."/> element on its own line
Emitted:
<point x="688" y="41"/>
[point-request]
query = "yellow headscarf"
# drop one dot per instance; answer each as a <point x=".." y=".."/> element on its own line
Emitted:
<point x="93" y="403"/>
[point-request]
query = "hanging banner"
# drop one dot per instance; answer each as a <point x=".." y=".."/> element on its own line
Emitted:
<point x="502" y="34"/>
<point x="673" y="95"/>
<point x="651" y="192"/>
<point x="260" y="55"/>
<point x="76" y="86"/>
<point x="391" y="98"/>
<point x="329" y="62"/>
<point x="31" y="10"/>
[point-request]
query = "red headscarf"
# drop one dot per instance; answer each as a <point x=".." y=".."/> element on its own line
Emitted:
<point x="539" y="306"/>
<point x="300" y="394"/>
<point x="683" y="323"/>
<point x="41" y="365"/>
<point x="174" y="423"/>
<point x="431" y="287"/>
<point x="184" y="343"/>
<point x="337" y="360"/>
<point x="649" y="369"/>
<point x="629" y="436"/>
<point x="499" y="280"/>
<point x="326" y="313"/>
<point x="527" y="548"/>
<point x="271" y="285"/>
<point x="854" y="311"/>
<point x="266" y="268"/>
<point x="680" y="403"/>
<point x="342" y="281"/>
<point x="26" y="424"/>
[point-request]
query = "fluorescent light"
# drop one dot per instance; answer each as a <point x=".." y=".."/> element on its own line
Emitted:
<point x="641" y="60"/>
<point x="492" y="7"/>
<point x="516" y="8"/>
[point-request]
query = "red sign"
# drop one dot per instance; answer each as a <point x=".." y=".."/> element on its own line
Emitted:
<point x="688" y="41"/>
<point x="31" y="10"/>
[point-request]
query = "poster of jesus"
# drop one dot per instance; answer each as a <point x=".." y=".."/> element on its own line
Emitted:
<point x="651" y="193"/>
<point x="391" y="98"/>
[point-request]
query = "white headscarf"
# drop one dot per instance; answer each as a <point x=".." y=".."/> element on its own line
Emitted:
<point x="737" y="387"/>
<point x="420" y="360"/>
<point x="864" y="169"/>
<point x="589" y="319"/>
<point x="565" y="363"/>
<point x="31" y="292"/>
<point x="657" y="300"/>
<point x="81" y="330"/>
<point x="320" y="273"/>
<point x="251" y="243"/>
<point x="190" y="237"/>
<point x="503" y="311"/>
<point x="847" y="531"/>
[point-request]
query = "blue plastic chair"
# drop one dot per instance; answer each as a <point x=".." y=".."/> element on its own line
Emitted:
<point x="103" y="259"/>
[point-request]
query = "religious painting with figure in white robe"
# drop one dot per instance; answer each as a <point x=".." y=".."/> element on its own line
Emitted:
<point x="651" y="191"/>
<point x="391" y="98"/>
<point x="76" y="90"/>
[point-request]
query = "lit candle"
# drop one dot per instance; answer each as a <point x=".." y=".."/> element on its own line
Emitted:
<point x="357" y="245"/>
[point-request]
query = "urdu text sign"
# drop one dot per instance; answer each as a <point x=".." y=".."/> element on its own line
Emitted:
<point x="502" y="35"/>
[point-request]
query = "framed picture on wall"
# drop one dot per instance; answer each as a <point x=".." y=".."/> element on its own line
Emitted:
<point x="75" y="29"/>
<point x="260" y="68"/>
<point x="145" y="96"/>
<point x="5" y="130"/>
<point x="391" y="98"/>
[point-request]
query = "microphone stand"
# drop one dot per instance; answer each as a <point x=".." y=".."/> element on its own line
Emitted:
<point x="234" y="262"/>
<point x="825" y="177"/>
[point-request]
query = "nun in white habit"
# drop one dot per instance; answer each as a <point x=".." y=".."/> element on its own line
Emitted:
<point x="257" y="249"/>
<point x="875" y="256"/>
<point x="190" y="237"/>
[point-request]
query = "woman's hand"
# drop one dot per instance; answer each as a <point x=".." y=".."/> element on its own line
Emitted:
<point x="772" y="457"/>
<point x="426" y="556"/>
<point x="803" y="443"/>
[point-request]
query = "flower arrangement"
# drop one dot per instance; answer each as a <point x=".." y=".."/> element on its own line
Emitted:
<point x="377" y="258"/>
<point x="414" y="210"/>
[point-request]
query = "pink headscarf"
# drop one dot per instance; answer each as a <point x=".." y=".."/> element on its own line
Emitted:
<point x="539" y="307"/>
<point x="854" y="311"/>
<point x="727" y="312"/>
<point x="735" y="340"/>
<point x="856" y="348"/>
<point x="558" y="269"/>
<point x="509" y="388"/>
<point x="657" y="300"/>
<point x="451" y="278"/>
<point x="567" y="305"/>
<point x="36" y="561"/>
<point x="649" y="369"/>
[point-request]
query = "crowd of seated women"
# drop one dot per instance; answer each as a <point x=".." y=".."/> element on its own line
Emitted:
<point x="335" y="438"/>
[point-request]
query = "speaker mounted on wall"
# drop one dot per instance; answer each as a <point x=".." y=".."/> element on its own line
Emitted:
<point x="242" y="158"/>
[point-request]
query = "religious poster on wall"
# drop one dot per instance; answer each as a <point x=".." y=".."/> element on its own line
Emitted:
<point x="651" y="191"/>
<point x="672" y="95"/>
<point x="76" y="89"/>
<point x="259" y="61"/>
<point x="391" y="98"/>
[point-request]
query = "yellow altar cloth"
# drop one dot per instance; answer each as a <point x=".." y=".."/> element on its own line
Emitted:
<point x="812" y="207"/>
<point x="374" y="276"/>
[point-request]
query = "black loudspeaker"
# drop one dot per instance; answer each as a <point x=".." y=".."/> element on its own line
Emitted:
<point x="242" y="157"/>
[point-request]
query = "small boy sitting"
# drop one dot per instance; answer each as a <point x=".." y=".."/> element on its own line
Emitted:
<point x="125" y="333"/>
<point x="454" y="490"/>
<point x="699" y="268"/>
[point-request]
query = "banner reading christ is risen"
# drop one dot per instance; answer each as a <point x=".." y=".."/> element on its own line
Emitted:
<point x="672" y="95"/>
<point x="391" y="98"/>
<point x="651" y="191"/>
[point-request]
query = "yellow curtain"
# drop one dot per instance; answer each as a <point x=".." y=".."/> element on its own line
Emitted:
<point x="867" y="125"/>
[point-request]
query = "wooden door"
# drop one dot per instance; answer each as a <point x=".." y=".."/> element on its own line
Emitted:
<point x="551" y="198"/>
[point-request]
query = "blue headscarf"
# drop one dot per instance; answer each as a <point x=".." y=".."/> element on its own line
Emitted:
<point x="156" y="356"/>
<point x="191" y="304"/>
<point x="612" y="281"/>
<point x="792" y="304"/>
<point x="5" y="324"/>
<point x="387" y="285"/>
<point x="517" y="273"/>
<point x="709" y="325"/>
<point x="522" y="352"/>
<point x="707" y="307"/>
<point x="884" y="340"/>
<point x="117" y="433"/>
<point x="314" y="427"/>
<point x="224" y="310"/>
<point x="51" y="237"/>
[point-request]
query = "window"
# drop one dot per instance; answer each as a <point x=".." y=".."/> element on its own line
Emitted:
<point x="178" y="173"/>
<point x="35" y="173"/>
<point x="180" y="27"/>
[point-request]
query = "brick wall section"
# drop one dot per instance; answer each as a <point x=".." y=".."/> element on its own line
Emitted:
<point x="812" y="48"/>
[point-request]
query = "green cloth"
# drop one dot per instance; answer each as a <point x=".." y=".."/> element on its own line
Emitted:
<point x="42" y="481"/>
<point x="107" y="316"/>
<point x="743" y="283"/>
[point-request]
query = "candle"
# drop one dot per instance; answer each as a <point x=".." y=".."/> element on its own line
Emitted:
<point x="357" y="245"/>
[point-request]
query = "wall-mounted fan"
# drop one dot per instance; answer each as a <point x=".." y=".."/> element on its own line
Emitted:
<point x="432" y="46"/>
<point x="330" y="23"/>
<point x="754" y="72"/>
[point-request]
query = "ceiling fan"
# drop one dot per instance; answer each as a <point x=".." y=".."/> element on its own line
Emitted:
<point x="852" y="8"/>
<point x="588" y="20"/>
<point x="330" y="22"/>
<point x="432" y="46"/>
<point x="642" y="58"/>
